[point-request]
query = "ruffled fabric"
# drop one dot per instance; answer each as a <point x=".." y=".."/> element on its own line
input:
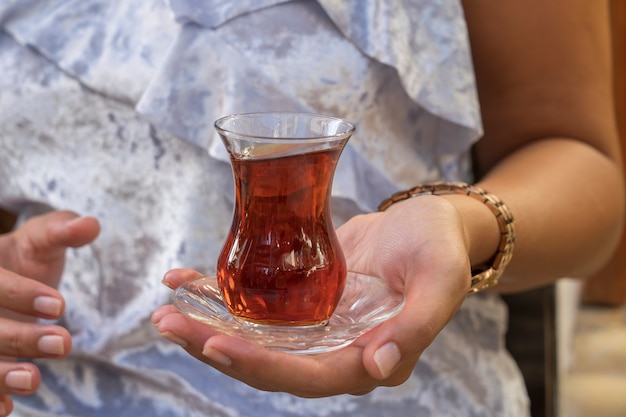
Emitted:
<point x="114" y="48"/>
<point x="225" y="58"/>
<point x="426" y="42"/>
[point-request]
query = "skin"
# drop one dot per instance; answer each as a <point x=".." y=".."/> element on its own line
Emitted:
<point x="31" y="263"/>
<point x="550" y="151"/>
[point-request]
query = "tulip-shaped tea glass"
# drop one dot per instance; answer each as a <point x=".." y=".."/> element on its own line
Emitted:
<point x="281" y="277"/>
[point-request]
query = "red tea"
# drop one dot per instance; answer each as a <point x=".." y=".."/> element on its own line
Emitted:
<point x="281" y="263"/>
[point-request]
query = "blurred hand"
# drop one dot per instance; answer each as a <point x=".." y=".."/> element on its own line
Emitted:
<point x="31" y="263"/>
<point x="420" y="248"/>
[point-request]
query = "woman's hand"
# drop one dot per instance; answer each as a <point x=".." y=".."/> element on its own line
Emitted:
<point x="419" y="245"/>
<point x="31" y="262"/>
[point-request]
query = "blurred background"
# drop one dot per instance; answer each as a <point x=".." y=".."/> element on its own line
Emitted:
<point x="592" y="343"/>
<point x="570" y="338"/>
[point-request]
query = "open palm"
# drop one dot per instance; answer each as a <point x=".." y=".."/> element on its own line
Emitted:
<point x="422" y="253"/>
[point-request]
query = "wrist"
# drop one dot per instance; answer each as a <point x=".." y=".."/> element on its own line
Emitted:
<point x="481" y="228"/>
<point x="477" y="227"/>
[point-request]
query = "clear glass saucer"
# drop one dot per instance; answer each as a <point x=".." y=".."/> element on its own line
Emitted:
<point x="366" y="302"/>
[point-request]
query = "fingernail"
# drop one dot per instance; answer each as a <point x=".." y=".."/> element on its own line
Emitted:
<point x="216" y="356"/>
<point x="48" y="305"/>
<point x="51" y="345"/>
<point x="156" y="317"/>
<point x="156" y="320"/>
<point x="19" y="379"/>
<point x="387" y="358"/>
<point x="167" y="284"/>
<point x="175" y="339"/>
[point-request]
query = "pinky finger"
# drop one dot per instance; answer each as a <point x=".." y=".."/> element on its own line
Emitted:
<point x="6" y="405"/>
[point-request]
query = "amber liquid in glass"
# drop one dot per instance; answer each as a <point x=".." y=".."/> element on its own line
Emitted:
<point x="281" y="263"/>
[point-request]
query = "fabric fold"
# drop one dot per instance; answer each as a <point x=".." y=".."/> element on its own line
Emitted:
<point x="214" y="13"/>
<point x="427" y="43"/>
<point x="113" y="48"/>
<point x="185" y="63"/>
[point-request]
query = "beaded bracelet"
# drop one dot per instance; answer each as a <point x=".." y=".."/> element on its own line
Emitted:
<point x="482" y="277"/>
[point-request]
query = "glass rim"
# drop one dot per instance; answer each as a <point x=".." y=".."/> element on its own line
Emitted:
<point x="286" y="139"/>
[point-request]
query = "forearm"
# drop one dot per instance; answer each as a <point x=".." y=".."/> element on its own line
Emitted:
<point x="567" y="195"/>
<point x="568" y="203"/>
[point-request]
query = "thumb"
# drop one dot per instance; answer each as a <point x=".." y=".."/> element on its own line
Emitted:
<point x="397" y="344"/>
<point x="393" y="348"/>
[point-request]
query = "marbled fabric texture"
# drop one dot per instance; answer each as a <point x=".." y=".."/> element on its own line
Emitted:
<point x="106" y="108"/>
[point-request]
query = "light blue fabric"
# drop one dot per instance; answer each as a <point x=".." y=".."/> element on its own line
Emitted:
<point x="107" y="109"/>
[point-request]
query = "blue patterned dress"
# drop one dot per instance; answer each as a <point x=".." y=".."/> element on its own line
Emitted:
<point x="107" y="107"/>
